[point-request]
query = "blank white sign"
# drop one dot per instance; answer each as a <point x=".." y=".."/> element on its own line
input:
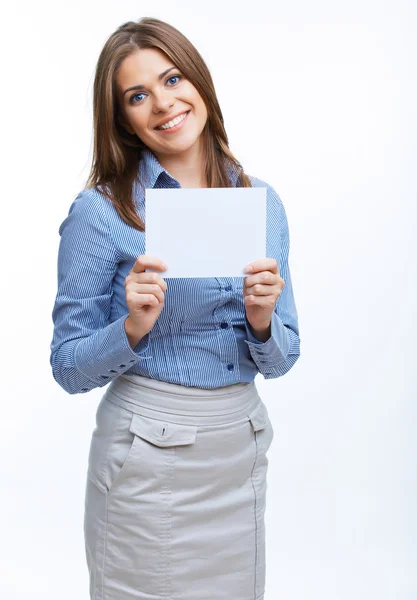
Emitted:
<point x="206" y="232"/>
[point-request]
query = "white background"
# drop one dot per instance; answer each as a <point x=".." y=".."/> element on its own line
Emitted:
<point x="319" y="100"/>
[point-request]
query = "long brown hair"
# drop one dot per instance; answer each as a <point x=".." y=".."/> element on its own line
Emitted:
<point x="116" y="153"/>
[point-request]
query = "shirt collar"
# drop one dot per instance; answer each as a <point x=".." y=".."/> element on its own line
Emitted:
<point x="150" y="169"/>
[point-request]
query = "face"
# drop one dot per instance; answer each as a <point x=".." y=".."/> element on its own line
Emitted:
<point x="160" y="93"/>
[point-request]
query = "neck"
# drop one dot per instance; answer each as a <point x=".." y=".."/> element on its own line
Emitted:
<point x="187" y="167"/>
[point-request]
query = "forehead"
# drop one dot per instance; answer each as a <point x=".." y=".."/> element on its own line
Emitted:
<point x="142" y="67"/>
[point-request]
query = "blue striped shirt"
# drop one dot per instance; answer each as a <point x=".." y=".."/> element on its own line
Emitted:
<point x="201" y="338"/>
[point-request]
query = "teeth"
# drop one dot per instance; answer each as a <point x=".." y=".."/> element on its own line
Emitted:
<point x="173" y="122"/>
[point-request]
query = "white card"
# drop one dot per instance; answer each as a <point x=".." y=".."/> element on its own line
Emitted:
<point x="205" y="232"/>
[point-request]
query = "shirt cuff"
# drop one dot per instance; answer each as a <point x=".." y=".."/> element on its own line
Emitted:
<point x="107" y="353"/>
<point x="272" y="352"/>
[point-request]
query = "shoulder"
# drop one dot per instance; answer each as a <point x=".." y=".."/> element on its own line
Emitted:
<point x="276" y="213"/>
<point x="88" y="215"/>
<point x="88" y="199"/>
<point x="88" y="209"/>
<point x="257" y="182"/>
<point x="273" y="198"/>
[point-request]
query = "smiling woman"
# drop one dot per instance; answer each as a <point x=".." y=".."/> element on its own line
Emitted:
<point x="176" y="480"/>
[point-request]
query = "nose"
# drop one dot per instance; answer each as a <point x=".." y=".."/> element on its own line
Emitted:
<point x="163" y="100"/>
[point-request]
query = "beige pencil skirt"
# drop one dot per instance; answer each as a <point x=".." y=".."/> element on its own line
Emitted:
<point x="176" y="492"/>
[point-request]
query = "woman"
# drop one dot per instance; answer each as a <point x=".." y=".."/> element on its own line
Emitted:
<point x="176" y="482"/>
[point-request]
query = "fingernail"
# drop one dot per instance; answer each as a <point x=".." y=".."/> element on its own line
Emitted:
<point x="164" y="266"/>
<point x="248" y="268"/>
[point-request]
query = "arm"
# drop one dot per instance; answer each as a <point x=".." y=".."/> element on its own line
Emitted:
<point x="276" y="349"/>
<point x="87" y="351"/>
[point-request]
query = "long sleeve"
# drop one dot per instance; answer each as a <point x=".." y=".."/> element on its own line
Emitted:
<point x="88" y="350"/>
<point x="278" y="354"/>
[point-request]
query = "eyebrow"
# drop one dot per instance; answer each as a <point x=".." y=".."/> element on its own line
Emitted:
<point x="141" y="87"/>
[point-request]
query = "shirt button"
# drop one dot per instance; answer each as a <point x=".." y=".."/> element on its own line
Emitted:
<point x="228" y="288"/>
<point x="230" y="366"/>
<point x="224" y="325"/>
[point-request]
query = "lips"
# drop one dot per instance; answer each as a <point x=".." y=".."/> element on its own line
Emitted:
<point x="172" y="118"/>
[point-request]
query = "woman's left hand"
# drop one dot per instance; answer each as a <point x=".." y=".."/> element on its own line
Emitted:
<point x="261" y="289"/>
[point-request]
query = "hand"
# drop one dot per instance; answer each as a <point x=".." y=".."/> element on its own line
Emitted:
<point x="261" y="290"/>
<point x="145" y="293"/>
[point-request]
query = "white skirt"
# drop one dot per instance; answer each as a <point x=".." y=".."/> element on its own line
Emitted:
<point x="176" y="491"/>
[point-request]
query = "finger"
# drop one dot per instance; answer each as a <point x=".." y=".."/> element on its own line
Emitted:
<point x="265" y="277"/>
<point x="262" y="301"/>
<point x="263" y="264"/>
<point x="149" y="289"/>
<point x="144" y="261"/>
<point x="146" y="278"/>
<point x="138" y="300"/>
<point x="259" y="290"/>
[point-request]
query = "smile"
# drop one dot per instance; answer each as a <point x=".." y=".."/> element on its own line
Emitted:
<point x="173" y="125"/>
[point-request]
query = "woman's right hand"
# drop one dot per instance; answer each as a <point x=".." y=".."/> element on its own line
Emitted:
<point x="145" y="293"/>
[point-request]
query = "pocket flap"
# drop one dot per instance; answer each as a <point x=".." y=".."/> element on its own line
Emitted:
<point x="258" y="417"/>
<point x="163" y="433"/>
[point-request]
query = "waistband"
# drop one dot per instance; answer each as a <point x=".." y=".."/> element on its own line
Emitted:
<point x="161" y="399"/>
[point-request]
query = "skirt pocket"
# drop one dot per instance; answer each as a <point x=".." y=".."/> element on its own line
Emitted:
<point x="262" y="427"/>
<point x="135" y="448"/>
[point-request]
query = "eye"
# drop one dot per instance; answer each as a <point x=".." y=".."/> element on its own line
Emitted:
<point x="173" y="77"/>
<point x="131" y="99"/>
<point x="135" y="96"/>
